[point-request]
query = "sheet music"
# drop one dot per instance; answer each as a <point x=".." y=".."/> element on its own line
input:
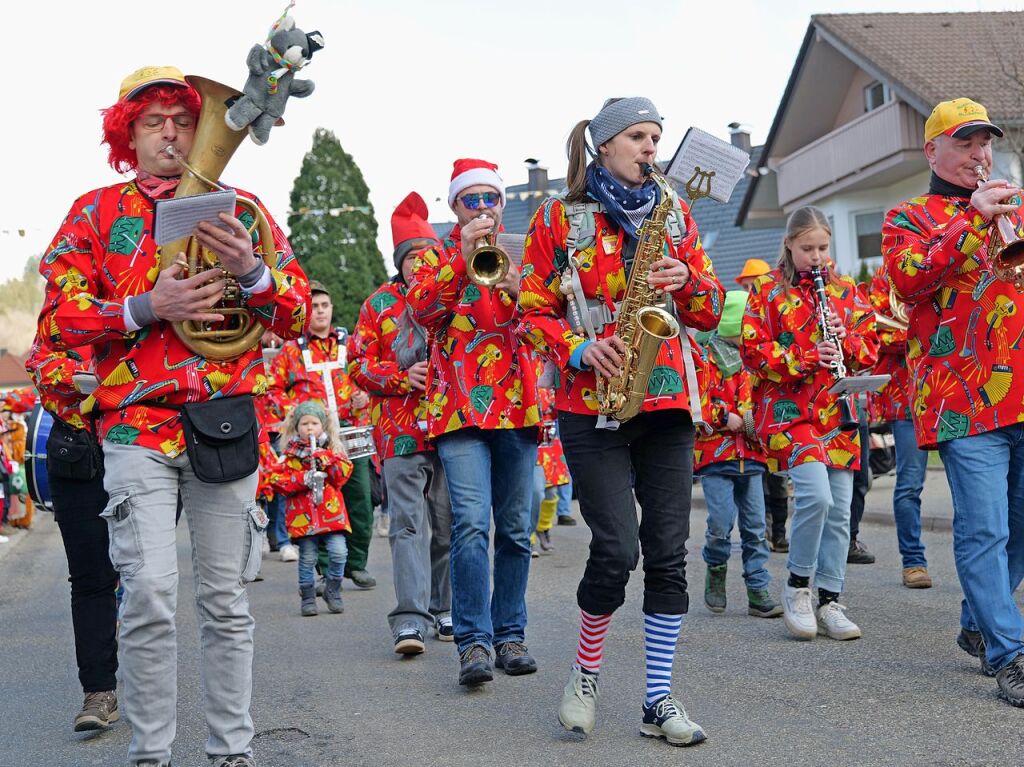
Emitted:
<point x="859" y="383"/>
<point x="700" y="149"/>
<point x="513" y="244"/>
<point x="179" y="217"/>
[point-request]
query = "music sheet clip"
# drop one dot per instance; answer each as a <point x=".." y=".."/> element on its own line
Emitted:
<point x="178" y="218"/>
<point x="857" y="384"/>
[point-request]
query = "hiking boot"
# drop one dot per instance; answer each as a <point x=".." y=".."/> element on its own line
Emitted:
<point x="916" y="578"/>
<point x="797" y="612"/>
<point x="99" y="711"/>
<point x="443" y="629"/>
<point x="409" y="642"/>
<point x="234" y="760"/>
<point x="779" y="543"/>
<point x="714" y="587"/>
<point x="667" y="719"/>
<point x="578" y="708"/>
<point x="1010" y="679"/>
<point x="308" y="595"/>
<point x="565" y="519"/>
<point x="514" y="659"/>
<point x="972" y="643"/>
<point x="332" y="595"/>
<point x="363" y="579"/>
<point x="544" y="541"/>
<point x="859" y="554"/>
<point x="761" y="605"/>
<point x="832" y="622"/>
<point x="476" y="665"/>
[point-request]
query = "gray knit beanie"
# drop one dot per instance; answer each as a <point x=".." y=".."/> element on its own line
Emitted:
<point x="616" y="117"/>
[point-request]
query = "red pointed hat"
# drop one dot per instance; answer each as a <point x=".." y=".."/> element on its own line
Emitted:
<point x="409" y="227"/>
<point x="470" y="172"/>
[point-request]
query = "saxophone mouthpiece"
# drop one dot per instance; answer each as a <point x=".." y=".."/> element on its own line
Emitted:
<point x="646" y="168"/>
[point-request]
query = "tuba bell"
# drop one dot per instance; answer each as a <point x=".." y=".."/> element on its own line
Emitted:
<point x="212" y="147"/>
<point x="488" y="264"/>
<point x="1005" y="246"/>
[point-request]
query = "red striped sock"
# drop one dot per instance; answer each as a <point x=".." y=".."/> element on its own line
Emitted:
<point x="593" y="629"/>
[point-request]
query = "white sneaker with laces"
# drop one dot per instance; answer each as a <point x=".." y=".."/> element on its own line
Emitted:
<point x="381" y="524"/>
<point x="578" y="709"/>
<point x="289" y="553"/>
<point x="832" y="622"/>
<point x="797" y="613"/>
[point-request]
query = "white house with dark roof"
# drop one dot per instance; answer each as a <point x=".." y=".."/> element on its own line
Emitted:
<point x="848" y="134"/>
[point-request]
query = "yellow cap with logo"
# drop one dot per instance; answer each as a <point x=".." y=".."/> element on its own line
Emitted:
<point x="141" y="79"/>
<point x="959" y="118"/>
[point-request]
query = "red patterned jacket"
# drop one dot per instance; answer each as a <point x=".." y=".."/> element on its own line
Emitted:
<point x="892" y="403"/>
<point x="796" y="418"/>
<point x="966" y="327"/>
<point x="550" y="455"/>
<point x="52" y="373"/>
<point x="301" y="515"/>
<point x="396" y="409"/>
<point x="543" y="306"/>
<point x="480" y="374"/>
<point x="104" y="252"/>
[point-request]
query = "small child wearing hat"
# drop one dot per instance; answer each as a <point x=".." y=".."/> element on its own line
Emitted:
<point x="730" y="464"/>
<point x="313" y="469"/>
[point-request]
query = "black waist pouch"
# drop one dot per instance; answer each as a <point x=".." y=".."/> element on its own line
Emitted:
<point x="72" y="453"/>
<point x="221" y="438"/>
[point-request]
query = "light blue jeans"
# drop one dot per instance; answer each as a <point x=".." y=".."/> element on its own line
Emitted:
<point x="911" y="465"/>
<point x="986" y="477"/>
<point x="565" y="500"/>
<point x="489" y="469"/>
<point x="819" y="537"/>
<point x="309" y="547"/>
<point x="226" y="528"/>
<point x="731" y="495"/>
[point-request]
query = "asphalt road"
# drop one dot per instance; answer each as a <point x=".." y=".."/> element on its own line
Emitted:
<point x="330" y="691"/>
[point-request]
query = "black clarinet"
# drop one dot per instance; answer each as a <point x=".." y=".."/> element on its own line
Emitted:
<point x="847" y="419"/>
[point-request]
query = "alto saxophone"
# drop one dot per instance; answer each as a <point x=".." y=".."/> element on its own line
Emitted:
<point x="643" y="324"/>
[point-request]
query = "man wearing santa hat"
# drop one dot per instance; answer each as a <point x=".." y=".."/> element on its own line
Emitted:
<point x="388" y="359"/>
<point x="482" y="414"/>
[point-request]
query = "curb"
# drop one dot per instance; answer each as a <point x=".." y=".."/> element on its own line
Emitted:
<point x="928" y="523"/>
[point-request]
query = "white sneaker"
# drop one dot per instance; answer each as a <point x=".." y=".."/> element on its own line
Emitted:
<point x="578" y="708"/>
<point x="4" y="539"/>
<point x="381" y="524"/>
<point x="798" y="614"/>
<point x="266" y="546"/>
<point x="289" y="553"/>
<point x="832" y="622"/>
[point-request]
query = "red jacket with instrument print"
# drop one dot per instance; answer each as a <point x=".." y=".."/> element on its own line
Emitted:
<point x="480" y="374"/>
<point x="103" y="253"/>
<point x="892" y="402"/>
<point x="796" y="418"/>
<point x="550" y="454"/>
<point x="966" y="327"/>
<point x="397" y="410"/>
<point x="723" y="395"/>
<point x="543" y="306"/>
<point x="288" y="477"/>
<point x="293" y="383"/>
<point x="52" y="373"/>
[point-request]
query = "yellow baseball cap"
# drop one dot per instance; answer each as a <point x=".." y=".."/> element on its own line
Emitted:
<point x="140" y="79"/>
<point x="959" y="118"/>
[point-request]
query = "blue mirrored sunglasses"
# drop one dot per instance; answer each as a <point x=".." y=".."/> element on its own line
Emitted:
<point x="473" y="199"/>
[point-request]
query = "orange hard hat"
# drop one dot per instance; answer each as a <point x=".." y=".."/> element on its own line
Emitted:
<point x="754" y="267"/>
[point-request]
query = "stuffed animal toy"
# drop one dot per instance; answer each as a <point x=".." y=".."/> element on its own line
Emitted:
<point x="271" y="80"/>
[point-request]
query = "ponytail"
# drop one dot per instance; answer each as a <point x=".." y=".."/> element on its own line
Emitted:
<point x="576" y="176"/>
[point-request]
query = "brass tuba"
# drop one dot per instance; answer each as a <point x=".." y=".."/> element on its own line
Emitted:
<point x="488" y="264"/>
<point x="1005" y="246"/>
<point x="212" y="147"/>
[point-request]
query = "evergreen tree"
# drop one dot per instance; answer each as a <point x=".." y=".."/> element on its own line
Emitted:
<point x="332" y="228"/>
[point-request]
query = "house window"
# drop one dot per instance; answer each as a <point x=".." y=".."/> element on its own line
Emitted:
<point x="868" y="227"/>
<point x="875" y="95"/>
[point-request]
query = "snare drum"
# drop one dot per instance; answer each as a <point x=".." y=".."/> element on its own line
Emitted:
<point x="358" y="441"/>
<point x="39" y="424"/>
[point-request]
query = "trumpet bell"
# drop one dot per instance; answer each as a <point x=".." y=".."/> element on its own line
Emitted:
<point x="487" y="265"/>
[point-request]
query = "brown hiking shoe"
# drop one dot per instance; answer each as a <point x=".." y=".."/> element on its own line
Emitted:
<point x="916" y="578"/>
<point x="99" y="711"/>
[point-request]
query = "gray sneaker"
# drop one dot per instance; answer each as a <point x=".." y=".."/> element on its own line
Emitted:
<point x="760" y="604"/>
<point x="714" y="587"/>
<point x="99" y="711"/>
<point x="578" y="709"/>
<point x="667" y="719"/>
<point x="233" y="760"/>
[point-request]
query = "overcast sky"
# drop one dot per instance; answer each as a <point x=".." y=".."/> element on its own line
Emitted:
<point x="406" y="85"/>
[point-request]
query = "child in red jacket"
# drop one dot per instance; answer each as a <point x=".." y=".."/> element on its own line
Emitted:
<point x="310" y="476"/>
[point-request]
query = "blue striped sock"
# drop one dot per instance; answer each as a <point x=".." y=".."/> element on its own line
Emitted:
<point x="661" y="632"/>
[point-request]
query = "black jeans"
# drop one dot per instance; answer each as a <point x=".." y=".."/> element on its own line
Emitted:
<point x="658" y="448"/>
<point x="77" y="507"/>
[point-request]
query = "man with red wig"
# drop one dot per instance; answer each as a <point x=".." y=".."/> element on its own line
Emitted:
<point x="106" y="290"/>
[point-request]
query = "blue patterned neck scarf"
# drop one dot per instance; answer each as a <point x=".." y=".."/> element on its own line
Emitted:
<point x="627" y="207"/>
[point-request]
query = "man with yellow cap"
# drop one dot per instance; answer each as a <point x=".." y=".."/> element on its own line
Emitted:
<point x="966" y="358"/>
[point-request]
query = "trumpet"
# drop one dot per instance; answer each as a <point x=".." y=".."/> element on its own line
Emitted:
<point x="899" y="319"/>
<point x="1005" y="246"/>
<point x="488" y="264"/>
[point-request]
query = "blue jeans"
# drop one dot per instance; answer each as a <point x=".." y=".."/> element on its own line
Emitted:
<point x="275" y="510"/>
<point x="337" y="553"/>
<point x="536" y="495"/>
<point x="819" y="537"/>
<point x="730" y="494"/>
<point x="565" y="500"/>
<point x="911" y="465"/>
<point x="986" y="477"/>
<point x="488" y="468"/>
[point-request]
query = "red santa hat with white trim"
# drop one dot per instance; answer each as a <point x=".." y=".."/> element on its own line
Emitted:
<point x="470" y="172"/>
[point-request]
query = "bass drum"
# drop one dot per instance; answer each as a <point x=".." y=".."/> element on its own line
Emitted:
<point x="39" y="424"/>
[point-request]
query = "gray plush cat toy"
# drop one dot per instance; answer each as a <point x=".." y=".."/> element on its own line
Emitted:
<point x="271" y="80"/>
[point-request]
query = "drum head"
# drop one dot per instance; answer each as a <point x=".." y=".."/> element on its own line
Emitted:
<point x="39" y="424"/>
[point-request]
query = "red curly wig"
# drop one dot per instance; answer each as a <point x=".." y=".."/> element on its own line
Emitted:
<point x="117" y="120"/>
